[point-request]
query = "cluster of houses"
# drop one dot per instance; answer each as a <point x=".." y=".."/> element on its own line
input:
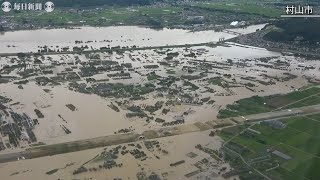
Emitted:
<point x="5" y="24"/>
<point x="274" y="124"/>
<point x="14" y="128"/>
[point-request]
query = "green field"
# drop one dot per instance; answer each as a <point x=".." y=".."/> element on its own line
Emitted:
<point x="257" y="104"/>
<point x="216" y="81"/>
<point x="246" y="8"/>
<point x="103" y="17"/>
<point x="299" y="139"/>
<point x="171" y="71"/>
<point x="167" y="15"/>
<point x="153" y="76"/>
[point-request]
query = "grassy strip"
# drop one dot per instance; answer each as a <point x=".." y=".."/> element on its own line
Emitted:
<point x="257" y="104"/>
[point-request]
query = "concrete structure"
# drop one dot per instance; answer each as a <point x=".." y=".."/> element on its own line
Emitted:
<point x="234" y="23"/>
<point x="282" y="155"/>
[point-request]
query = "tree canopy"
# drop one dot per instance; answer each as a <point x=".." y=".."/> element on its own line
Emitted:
<point x="306" y="28"/>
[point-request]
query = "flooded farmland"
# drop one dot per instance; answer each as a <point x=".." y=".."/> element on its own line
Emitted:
<point x="133" y="90"/>
<point x="62" y="98"/>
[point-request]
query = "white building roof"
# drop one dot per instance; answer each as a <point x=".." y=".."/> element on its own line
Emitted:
<point x="234" y="23"/>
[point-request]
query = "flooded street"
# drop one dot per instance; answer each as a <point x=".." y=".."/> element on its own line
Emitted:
<point x="94" y="117"/>
<point x="178" y="92"/>
<point x="177" y="147"/>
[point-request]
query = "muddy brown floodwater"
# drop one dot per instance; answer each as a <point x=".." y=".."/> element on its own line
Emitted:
<point x="28" y="41"/>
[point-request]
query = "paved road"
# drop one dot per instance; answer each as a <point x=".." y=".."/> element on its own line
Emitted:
<point x="4" y="158"/>
<point x="273" y="115"/>
<point x="287" y="112"/>
<point x="81" y="145"/>
<point x="245" y="162"/>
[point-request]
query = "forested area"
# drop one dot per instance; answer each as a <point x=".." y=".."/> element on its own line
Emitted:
<point x="307" y="29"/>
